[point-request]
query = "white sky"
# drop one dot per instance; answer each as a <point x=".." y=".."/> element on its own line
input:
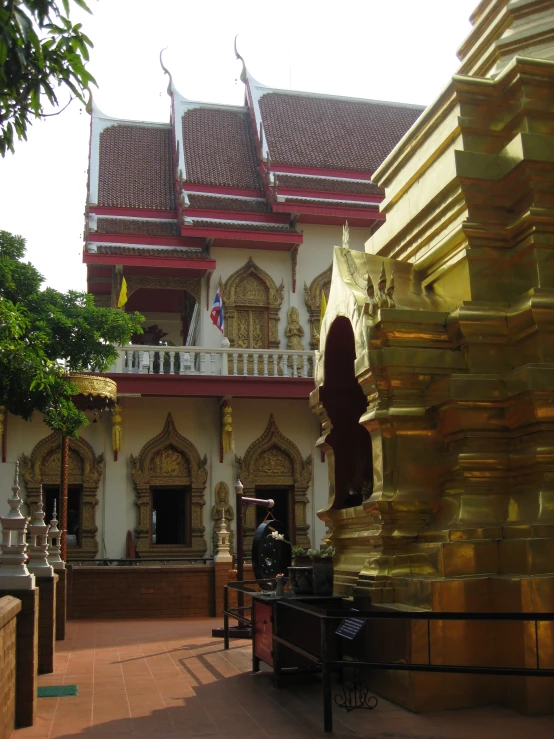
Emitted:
<point x="399" y="50"/>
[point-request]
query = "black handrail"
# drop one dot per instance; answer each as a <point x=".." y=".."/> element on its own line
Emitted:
<point x="326" y="662"/>
<point x="129" y="561"/>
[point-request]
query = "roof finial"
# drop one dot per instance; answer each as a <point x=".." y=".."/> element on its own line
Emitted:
<point x="238" y="56"/>
<point x="166" y="71"/>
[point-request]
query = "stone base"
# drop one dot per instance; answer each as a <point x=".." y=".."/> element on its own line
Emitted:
<point x="46" y="623"/>
<point x="26" y="656"/>
<point x="61" y="604"/>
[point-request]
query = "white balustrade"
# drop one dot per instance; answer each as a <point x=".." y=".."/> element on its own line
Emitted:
<point x="187" y="360"/>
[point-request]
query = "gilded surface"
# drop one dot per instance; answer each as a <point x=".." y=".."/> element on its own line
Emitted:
<point x="312" y="298"/>
<point x="94" y="385"/>
<point x="456" y="366"/>
<point x="169" y="458"/>
<point x="191" y="284"/>
<point x="252" y="301"/>
<point x="43" y="467"/>
<point x="274" y="460"/>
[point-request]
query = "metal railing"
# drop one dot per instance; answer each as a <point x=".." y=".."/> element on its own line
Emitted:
<point x="136" y="561"/>
<point x="327" y="662"/>
<point x="187" y="360"/>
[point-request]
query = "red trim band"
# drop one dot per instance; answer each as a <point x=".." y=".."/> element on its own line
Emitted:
<point x="198" y="265"/>
<point x="345" y="173"/>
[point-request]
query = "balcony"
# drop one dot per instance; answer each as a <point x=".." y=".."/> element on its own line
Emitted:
<point x="202" y="371"/>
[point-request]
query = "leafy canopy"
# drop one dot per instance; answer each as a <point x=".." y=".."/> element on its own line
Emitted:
<point x="44" y="334"/>
<point x="40" y="49"/>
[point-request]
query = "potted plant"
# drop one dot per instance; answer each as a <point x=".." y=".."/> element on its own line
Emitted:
<point x="301" y="571"/>
<point x="323" y="573"/>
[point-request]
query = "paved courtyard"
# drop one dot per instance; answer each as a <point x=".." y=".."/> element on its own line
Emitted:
<point x="162" y="679"/>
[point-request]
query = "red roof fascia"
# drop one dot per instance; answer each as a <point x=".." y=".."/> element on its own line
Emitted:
<point x="192" y="187"/>
<point x="210" y="386"/>
<point x="346" y="174"/>
<point x="138" y="239"/>
<point x="198" y="265"/>
<point x="233" y="215"/>
<point x="100" y="210"/>
<point x="344" y="212"/>
<point x="325" y="195"/>
<point x="239" y="234"/>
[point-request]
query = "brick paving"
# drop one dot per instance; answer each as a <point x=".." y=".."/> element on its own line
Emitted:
<point x="163" y="679"/>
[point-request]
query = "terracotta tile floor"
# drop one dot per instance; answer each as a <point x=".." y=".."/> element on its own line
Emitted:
<point x="162" y="679"/>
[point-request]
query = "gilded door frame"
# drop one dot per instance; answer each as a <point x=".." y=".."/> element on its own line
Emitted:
<point x="273" y="460"/>
<point x="231" y="307"/>
<point x="40" y="469"/>
<point x="191" y="474"/>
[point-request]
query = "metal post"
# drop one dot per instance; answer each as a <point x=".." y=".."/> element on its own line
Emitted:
<point x="63" y="495"/>
<point x="239" y="487"/>
<point x="326" y="678"/>
<point x="225" y="617"/>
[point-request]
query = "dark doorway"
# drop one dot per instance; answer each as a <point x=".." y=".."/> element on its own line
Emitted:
<point x="171" y="515"/>
<point x="283" y="509"/>
<point x="345" y="402"/>
<point x="51" y="493"/>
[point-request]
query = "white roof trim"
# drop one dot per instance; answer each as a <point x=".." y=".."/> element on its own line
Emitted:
<point x="225" y="197"/>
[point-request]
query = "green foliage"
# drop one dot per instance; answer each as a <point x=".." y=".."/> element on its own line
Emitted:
<point x="40" y="49"/>
<point x="46" y="333"/>
<point x="323" y="553"/>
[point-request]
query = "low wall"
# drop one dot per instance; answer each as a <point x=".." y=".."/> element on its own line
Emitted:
<point x="140" y="592"/>
<point x="9" y="608"/>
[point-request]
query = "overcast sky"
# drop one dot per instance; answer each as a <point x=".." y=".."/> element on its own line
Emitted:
<point x="398" y="50"/>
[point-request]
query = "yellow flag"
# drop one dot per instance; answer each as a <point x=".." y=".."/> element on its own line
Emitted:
<point x="323" y="306"/>
<point x="122" y="294"/>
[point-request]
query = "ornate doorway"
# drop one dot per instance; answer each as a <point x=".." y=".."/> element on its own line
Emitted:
<point x="170" y="463"/>
<point x="43" y="467"/>
<point x="251" y="301"/>
<point x="273" y="461"/>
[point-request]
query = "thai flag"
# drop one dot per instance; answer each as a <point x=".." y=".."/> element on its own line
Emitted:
<point x="217" y="311"/>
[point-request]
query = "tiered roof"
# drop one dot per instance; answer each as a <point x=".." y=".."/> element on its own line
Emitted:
<point x="233" y="176"/>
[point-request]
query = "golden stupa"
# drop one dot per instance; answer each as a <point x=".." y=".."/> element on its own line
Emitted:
<point x="435" y="382"/>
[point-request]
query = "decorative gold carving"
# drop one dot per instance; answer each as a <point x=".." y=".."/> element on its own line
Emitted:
<point x="116" y="431"/>
<point x="275" y="460"/>
<point x="222" y="509"/>
<point x="169" y="458"/>
<point x="376" y="299"/>
<point x="294" y="333"/>
<point x="103" y="301"/>
<point x="190" y="284"/>
<point x="294" y="264"/>
<point x="312" y="298"/>
<point x="94" y="385"/>
<point x="43" y="467"/>
<point x="251" y="301"/>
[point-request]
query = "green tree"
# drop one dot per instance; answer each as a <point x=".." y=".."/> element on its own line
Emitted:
<point x="46" y="333"/>
<point x="40" y="50"/>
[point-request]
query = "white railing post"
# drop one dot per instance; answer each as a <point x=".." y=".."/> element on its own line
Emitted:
<point x="265" y="364"/>
<point x="171" y="363"/>
<point x="235" y="363"/>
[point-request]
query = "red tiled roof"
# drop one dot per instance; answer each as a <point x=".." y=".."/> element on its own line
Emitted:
<point x="153" y="251"/>
<point x="239" y="205"/>
<point x="327" y="185"/>
<point x="137" y="227"/>
<point x="332" y="133"/>
<point x="135" y="169"/>
<point x="245" y="225"/>
<point x="219" y="148"/>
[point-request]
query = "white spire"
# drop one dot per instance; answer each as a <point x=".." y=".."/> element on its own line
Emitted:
<point x="54" y="542"/>
<point x="14" y="574"/>
<point x="38" y="548"/>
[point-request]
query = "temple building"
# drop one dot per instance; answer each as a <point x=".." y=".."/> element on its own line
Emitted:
<point x="219" y="228"/>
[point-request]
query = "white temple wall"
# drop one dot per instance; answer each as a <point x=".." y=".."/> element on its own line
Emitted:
<point x="314" y="256"/>
<point x="198" y="420"/>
